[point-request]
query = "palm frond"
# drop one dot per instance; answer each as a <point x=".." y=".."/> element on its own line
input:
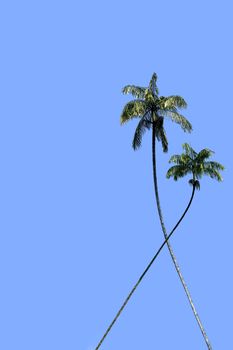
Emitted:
<point x="133" y="109"/>
<point x="212" y="169"/>
<point x="150" y="97"/>
<point x="163" y="138"/>
<point x="135" y="91"/>
<point x="161" y="134"/>
<point x="177" y="118"/>
<point x="153" y="84"/>
<point x="142" y="126"/>
<point x="189" y="150"/>
<point x="180" y="159"/>
<point x="214" y="165"/>
<point x="176" y="158"/>
<point x="213" y="173"/>
<point x="178" y="171"/>
<point x="173" y="102"/>
<point x="204" y="154"/>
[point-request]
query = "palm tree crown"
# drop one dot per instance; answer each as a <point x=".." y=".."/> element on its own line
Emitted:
<point x="152" y="109"/>
<point x="197" y="164"/>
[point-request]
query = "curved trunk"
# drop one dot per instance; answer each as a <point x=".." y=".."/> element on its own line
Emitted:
<point x="169" y="246"/>
<point x="145" y="271"/>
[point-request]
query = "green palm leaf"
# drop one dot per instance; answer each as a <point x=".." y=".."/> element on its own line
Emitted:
<point x="173" y="101"/>
<point x="135" y="91"/>
<point x="133" y="109"/>
<point x="161" y="134"/>
<point x="182" y="159"/>
<point x="178" y="171"/>
<point x="142" y="126"/>
<point x="214" y="165"/>
<point x="214" y="174"/>
<point x="204" y="154"/>
<point x="177" y="118"/>
<point x="153" y="84"/>
<point x="189" y="151"/>
<point x="212" y="169"/>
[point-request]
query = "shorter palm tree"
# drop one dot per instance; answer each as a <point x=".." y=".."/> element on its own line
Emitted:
<point x="187" y="162"/>
<point x="197" y="164"/>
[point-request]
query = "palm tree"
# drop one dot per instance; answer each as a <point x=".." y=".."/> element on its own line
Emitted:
<point x="188" y="162"/>
<point x="191" y="162"/>
<point x="197" y="164"/>
<point x="152" y="110"/>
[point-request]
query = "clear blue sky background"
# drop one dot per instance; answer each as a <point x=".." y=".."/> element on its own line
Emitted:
<point x="78" y="216"/>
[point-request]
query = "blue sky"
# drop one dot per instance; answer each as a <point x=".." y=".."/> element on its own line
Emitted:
<point x="78" y="216"/>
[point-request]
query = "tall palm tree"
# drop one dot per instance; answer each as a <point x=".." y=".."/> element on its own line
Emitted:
<point x="188" y="162"/>
<point x="152" y="110"/>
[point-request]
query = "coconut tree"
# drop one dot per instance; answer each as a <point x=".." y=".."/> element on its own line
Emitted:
<point x="153" y="110"/>
<point x="198" y="165"/>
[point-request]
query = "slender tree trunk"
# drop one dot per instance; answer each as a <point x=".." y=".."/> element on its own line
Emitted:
<point x="169" y="245"/>
<point x="144" y="273"/>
